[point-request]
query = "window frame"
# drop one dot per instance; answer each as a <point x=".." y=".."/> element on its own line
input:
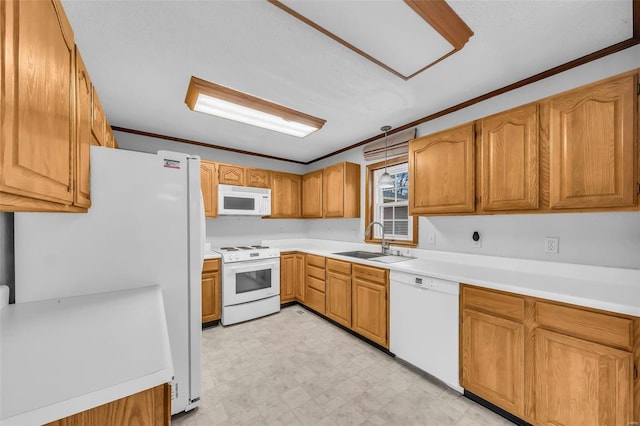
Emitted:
<point x="370" y="206"/>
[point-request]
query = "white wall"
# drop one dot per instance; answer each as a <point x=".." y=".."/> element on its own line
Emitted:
<point x="241" y="230"/>
<point x="6" y="252"/>
<point x="149" y="144"/>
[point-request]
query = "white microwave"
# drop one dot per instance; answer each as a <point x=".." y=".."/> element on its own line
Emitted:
<point x="241" y="200"/>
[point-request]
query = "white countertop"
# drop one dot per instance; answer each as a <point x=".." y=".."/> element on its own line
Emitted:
<point x="210" y="254"/>
<point x="610" y="289"/>
<point x="62" y="356"/>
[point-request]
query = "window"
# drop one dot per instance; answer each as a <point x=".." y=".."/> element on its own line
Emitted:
<point x="391" y="206"/>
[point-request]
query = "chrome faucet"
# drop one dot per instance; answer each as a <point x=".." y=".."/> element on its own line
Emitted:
<point x="385" y="243"/>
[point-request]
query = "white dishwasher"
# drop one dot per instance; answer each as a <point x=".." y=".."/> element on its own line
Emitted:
<point x="424" y="324"/>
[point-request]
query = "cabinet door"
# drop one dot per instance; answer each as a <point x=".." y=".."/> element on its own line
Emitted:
<point x="257" y="178"/>
<point x="98" y="119"/>
<point x="369" y="310"/>
<point x="312" y="194"/>
<point x="209" y="187"/>
<point x="509" y="160"/>
<point x="441" y="172"/>
<point x="109" y="139"/>
<point x="83" y="133"/>
<point x="581" y="383"/>
<point x="37" y="118"/>
<point x="229" y="174"/>
<point x="287" y="277"/>
<point x="592" y="132"/>
<point x="493" y="360"/>
<point x="299" y="278"/>
<point x="338" y="295"/>
<point x="285" y="195"/>
<point x="211" y="300"/>
<point x="333" y="190"/>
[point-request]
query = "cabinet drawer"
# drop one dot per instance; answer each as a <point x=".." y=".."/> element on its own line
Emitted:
<point x="315" y="300"/>
<point x="504" y="305"/>
<point x="370" y="273"/>
<point x="315" y="283"/>
<point x="314" y="260"/>
<point x="339" y="266"/>
<point x="596" y="327"/>
<point x="211" y="265"/>
<point x="314" y="271"/>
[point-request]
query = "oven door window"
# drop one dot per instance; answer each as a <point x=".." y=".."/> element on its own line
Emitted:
<point x="253" y="281"/>
<point x="239" y="203"/>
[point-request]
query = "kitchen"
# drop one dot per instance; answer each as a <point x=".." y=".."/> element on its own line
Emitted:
<point x="593" y="239"/>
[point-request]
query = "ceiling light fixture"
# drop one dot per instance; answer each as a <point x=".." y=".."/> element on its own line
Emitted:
<point x="214" y="99"/>
<point x="386" y="181"/>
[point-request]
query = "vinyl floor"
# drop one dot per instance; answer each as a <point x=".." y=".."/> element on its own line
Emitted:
<point x="295" y="368"/>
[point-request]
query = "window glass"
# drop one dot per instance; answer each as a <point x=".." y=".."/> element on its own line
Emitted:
<point x="391" y="205"/>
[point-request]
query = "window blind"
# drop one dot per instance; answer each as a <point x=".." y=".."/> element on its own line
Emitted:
<point x="397" y="144"/>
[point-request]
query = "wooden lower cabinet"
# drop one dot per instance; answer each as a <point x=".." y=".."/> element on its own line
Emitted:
<point x="547" y="362"/>
<point x="288" y="277"/>
<point x="338" y="291"/>
<point x="211" y="297"/>
<point x="493" y="360"/>
<point x="151" y="407"/>
<point x="581" y="383"/>
<point x="299" y="285"/>
<point x="315" y="282"/>
<point x="370" y="305"/>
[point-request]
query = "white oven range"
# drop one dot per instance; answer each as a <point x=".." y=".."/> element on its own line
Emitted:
<point x="250" y="282"/>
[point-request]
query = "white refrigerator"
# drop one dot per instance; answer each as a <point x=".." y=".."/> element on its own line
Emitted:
<point x="145" y="227"/>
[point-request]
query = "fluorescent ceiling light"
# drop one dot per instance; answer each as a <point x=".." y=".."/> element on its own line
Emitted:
<point x="214" y="99"/>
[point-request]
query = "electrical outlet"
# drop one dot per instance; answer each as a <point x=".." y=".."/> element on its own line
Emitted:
<point x="431" y="238"/>
<point x="551" y="244"/>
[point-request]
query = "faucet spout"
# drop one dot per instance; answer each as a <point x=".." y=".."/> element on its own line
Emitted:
<point x="384" y="244"/>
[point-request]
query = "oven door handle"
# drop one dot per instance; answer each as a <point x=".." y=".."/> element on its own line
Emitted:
<point x="251" y="265"/>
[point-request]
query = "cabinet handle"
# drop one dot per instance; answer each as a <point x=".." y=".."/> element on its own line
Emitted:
<point x="635" y="372"/>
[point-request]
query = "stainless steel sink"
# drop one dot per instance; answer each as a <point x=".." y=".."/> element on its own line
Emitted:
<point x="376" y="257"/>
<point x="360" y="254"/>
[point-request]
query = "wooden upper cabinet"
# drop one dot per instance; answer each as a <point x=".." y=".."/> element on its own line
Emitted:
<point x="98" y="120"/>
<point x="38" y="100"/>
<point x="209" y="187"/>
<point x="441" y="172"/>
<point x="285" y="194"/>
<point x="581" y="383"/>
<point x="592" y="137"/>
<point x="257" y="178"/>
<point x="509" y="160"/>
<point x="312" y="194"/>
<point x="229" y="174"/>
<point x="341" y="190"/>
<point x="83" y="133"/>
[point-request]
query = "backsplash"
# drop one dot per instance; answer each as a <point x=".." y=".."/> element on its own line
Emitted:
<point x="246" y="230"/>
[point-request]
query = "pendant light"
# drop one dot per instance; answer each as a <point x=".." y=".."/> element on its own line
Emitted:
<point x="386" y="181"/>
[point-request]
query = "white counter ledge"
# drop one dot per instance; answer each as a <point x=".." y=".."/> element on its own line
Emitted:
<point x="210" y="254"/>
<point x="610" y="289"/>
<point x="62" y="356"/>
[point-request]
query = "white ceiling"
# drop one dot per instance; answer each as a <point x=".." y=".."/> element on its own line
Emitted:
<point x="141" y="55"/>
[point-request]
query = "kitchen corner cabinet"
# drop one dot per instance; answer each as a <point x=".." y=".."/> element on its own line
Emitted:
<point x="38" y="143"/>
<point x="285" y="195"/>
<point x="151" y="407"/>
<point x="592" y="138"/>
<point x="338" y="292"/>
<point x="211" y="297"/>
<point x="312" y="194"/>
<point x="314" y="292"/>
<point x="229" y="174"/>
<point x="370" y="303"/>
<point x="509" y="160"/>
<point x="441" y="172"/>
<point x="292" y="277"/>
<point x="578" y="365"/>
<point x="341" y="190"/>
<point x="209" y="187"/>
